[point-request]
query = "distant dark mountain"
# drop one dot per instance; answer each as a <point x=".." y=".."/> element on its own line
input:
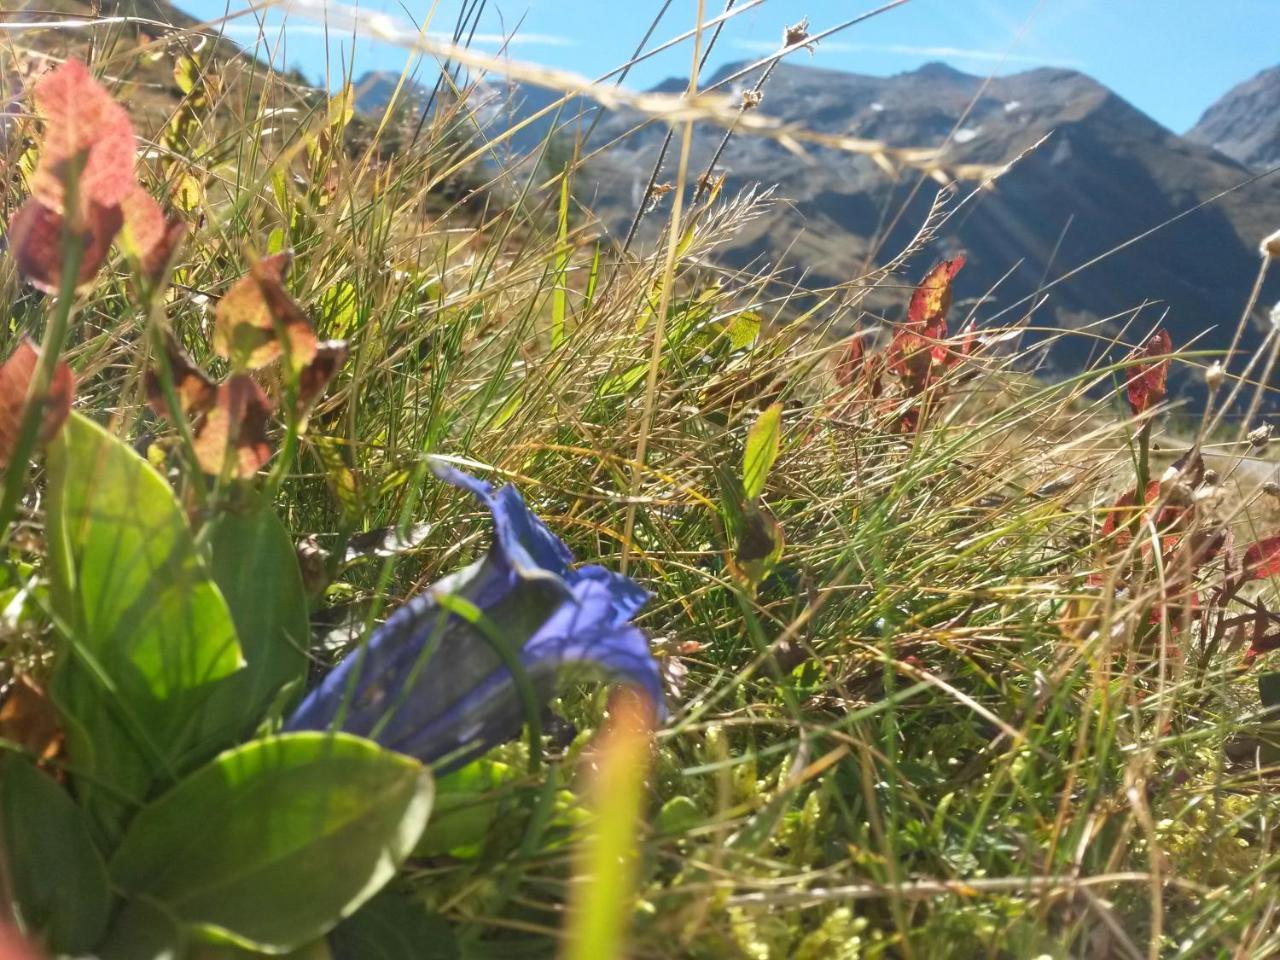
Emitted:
<point x="1245" y="123"/>
<point x="374" y="90"/>
<point x="1106" y="174"/>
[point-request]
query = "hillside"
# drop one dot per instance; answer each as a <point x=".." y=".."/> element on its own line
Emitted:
<point x="1245" y="122"/>
<point x="1106" y="174"/>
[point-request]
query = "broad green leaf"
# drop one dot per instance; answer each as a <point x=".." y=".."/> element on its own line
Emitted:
<point x="148" y="634"/>
<point x="467" y="803"/>
<point x="393" y="926"/>
<point x="186" y="73"/>
<point x="255" y="566"/>
<point x="58" y="878"/>
<point x="144" y="930"/>
<point x="763" y="443"/>
<point x="315" y="950"/>
<point x="273" y="843"/>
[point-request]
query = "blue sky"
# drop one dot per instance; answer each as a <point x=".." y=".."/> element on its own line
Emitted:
<point x="1171" y="58"/>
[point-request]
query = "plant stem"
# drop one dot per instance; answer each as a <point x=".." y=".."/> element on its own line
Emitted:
<point x="55" y="335"/>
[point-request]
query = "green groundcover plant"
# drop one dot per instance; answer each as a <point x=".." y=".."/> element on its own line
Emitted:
<point x="894" y="663"/>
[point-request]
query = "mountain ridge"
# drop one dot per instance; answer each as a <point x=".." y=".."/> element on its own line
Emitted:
<point x="1244" y="123"/>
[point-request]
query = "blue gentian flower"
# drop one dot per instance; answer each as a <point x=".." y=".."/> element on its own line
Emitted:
<point x="433" y="685"/>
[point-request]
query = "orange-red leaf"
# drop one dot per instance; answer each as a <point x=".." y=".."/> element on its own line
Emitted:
<point x="82" y="124"/>
<point x="36" y="239"/>
<point x="252" y="314"/>
<point x="15" y="379"/>
<point x="914" y="358"/>
<point x="932" y="299"/>
<point x="1148" y="378"/>
<point x="28" y="719"/>
<point x="236" y="427"/>
<point x="147" y="236"/>
<point x="1262" y="559"/>
<point x="849" y="366"/>
<point x="192" y="386"/>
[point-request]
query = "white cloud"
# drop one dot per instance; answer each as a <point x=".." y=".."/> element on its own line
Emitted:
<point x="908" y="50"/>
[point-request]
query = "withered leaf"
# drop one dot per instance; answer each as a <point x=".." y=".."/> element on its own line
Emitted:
<point x="194" y="390"/>
<point x="236" y="427"/>
<point x="314" y="378"/>
<point x="849" y="366"/>
<point x="36" y="239"/>
<point x="147" y="236"/>
<point x="758" y="544"/>
<point x="15" y="379"/>
<point x="253" y="314"/>
<point x="28" y="718"/>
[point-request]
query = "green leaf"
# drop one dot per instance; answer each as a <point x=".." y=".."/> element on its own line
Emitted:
<point x="315" y="950"/>
<point x="256" y="567"/>
<point x="678" y="815"/>
<point x="148" y="633"/>
<point x="338" y="304"/>
<point x="560" y="293"/>
<point x="763" y="444"/>
<point x="186" y="74"/>
<point x="742" y="329"/>
<point x="58" y="878"/>
<point x="467" y="803"/>
<point x="143" y="930"/>
<point x="394" y="926"/>
<point x="273" y="843"/>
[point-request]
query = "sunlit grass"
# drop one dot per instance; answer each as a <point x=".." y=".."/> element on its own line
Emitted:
<point x="924" y="733"/>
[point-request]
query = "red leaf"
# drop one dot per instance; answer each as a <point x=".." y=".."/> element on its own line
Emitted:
<point x="238" y="421"/>
<point x="15" y="380"/>
<point x="1148" y="380"/>
<point x="913" y="358"/>
<point x="932" y="299"/>
<point x="82" y="121"/>
<point x="35" y="237"/>
<point x="1262" y="559"/>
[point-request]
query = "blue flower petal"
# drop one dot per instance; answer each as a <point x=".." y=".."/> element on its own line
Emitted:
<point x="522" y="539"/>
<point x="430" y="684"/>
<point x="627" y="596"/>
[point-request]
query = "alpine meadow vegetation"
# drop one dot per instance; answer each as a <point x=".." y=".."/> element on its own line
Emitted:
<point x="396" y="563"/>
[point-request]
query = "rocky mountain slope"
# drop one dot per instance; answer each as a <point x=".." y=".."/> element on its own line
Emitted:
<point x="1106" y="175"/>
<point x="1245" y="122"/>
